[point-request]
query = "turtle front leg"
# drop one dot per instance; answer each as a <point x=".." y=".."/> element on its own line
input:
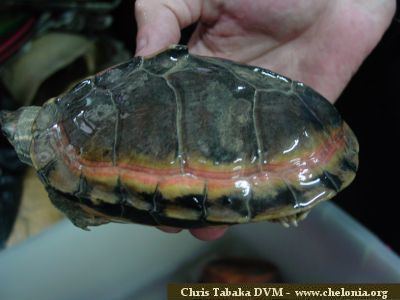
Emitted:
<point x="73" y="210"/>
<point x="292" y="220"/>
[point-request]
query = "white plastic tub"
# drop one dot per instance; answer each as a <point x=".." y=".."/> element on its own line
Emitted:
<point x="118" y="261"/>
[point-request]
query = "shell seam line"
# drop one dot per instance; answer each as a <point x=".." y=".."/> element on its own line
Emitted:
<point x="150" y="73"/>
<point x="178" y="126"/>
<point x="248" y="206"/>
<point x="179" y="64"/>
<point x="116" y="130"/>
<point x="154" y="210"/>
<point x="43" y="172"/>
<point x="296" y="205"/>
<point x="140" y="64"/>
<point x="312" y="112"/>
<point x="178" y="101"/>
<point x="34" y="125"/>
<point x="257" y="133"/>
<point x="256" y="91"/>
<point x="121" y="196"/>
<point x="337" y="188"/>
<point x="82" y="187"/>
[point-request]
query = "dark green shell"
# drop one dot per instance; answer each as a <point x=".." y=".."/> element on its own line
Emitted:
<point x="188" y="141"/>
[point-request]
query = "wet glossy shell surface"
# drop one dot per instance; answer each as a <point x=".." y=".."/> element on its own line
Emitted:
<point x="189" y="141"/>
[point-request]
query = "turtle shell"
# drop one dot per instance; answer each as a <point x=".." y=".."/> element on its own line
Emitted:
<point x="188" y="141"/>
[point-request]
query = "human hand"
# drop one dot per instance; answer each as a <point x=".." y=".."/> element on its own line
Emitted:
<point x="321" y="43"/>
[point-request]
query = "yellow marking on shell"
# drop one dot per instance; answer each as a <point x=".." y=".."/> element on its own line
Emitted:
<point x="138" y="203"/>
<point x="140" y="160"/>
<point x="220" y="188"/>
<point x="264" y="185"/>
<point x="139" y="182"/>
<point x="277" y="213"/>
<point x="99" y="195"/>
<point x="181" y="213"/>
<point x="152" y="173"/>
<point x="223" y="214"/>
<point x="106" y="177"/>
<point x="178" y="186"/>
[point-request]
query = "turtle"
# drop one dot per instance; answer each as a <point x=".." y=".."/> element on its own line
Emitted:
<point x="187" y="141"/>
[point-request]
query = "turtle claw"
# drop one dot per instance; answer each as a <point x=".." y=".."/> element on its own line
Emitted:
<point x="288" y="221"/>
<point x="292" y="220"/>
<point x="284" y="223"/>
<point x="301" y="216"/>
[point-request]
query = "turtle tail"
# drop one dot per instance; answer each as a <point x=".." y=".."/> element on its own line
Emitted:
<point x="17" y="127"/>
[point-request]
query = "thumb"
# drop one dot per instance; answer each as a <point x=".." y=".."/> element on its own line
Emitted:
<point x="160" y="22"/>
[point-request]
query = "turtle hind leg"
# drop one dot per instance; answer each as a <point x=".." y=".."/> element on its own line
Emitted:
<point x="72" y="209"/>
<point x="292" y="220"/>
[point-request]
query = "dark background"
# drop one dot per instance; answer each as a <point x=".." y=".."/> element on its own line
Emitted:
<point x="370" y="105"/>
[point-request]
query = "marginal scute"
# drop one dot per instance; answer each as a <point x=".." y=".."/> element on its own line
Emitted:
<point x="104" y="194"/>
<point x="42" y="152"/>
<point x="116" y="75"/>
<point x="89" y="125"/>
<point x="180" y="198"/>
<point x="62" y="178"/>
<point x="166" y="60"/>
<point x="48" y="116"/>
<point x="230" y="202"/>
<point x="79" y="91"/>
<point x="187" y="208"/>
<point x="257" y="77"/>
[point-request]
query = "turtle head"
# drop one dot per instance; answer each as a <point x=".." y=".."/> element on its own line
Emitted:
<point x="17" y="127"/>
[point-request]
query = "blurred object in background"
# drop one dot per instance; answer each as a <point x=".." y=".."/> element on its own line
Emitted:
<point x="240" y="270"/>
<point x="11" y="170"/>
<point x="54" y="61"/>
<point x="370" y="105"/>
<point x="86" y="5"/>
<point x="47" y="54"/>
<point x="11" y="173"/>
<point x="15" y="30"/>
<point x="45" y="48"/>
<point x="36" y="212"/>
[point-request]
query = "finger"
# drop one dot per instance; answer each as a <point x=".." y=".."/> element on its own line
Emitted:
<point x="209" y="233"/>
<point x="169" y="229"/>
<point x="160" y="22"/>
